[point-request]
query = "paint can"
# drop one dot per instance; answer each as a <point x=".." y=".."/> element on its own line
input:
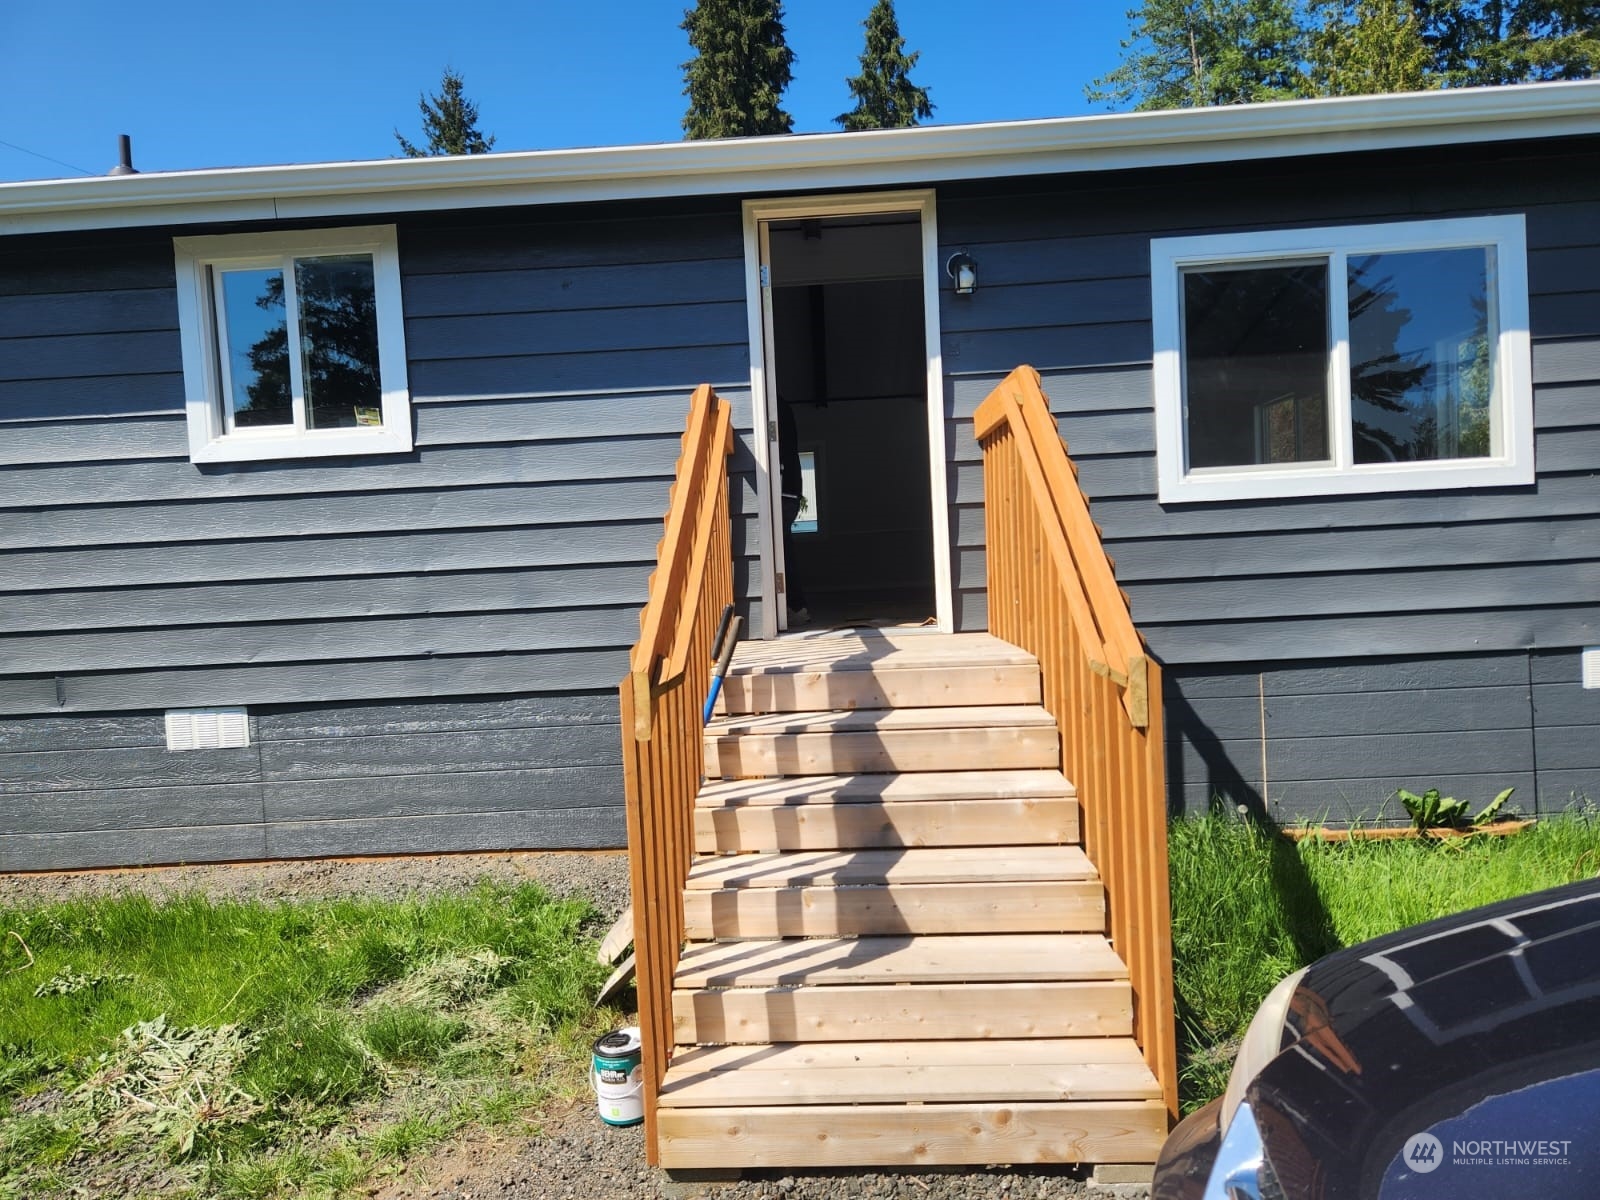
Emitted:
<point x="618" y="1076"/>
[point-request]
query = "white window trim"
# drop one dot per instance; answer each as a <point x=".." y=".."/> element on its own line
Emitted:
<point x="210" y="439"/>
<point x="1176" y="484"/>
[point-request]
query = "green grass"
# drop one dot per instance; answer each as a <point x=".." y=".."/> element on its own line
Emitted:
<point x="1249" y="906"/>
<point x="279" y="1050"/>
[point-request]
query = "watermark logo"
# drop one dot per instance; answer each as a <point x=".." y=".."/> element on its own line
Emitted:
<point x="1424" y="1153"/>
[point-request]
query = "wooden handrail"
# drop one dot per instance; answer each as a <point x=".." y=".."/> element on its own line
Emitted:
<point x="1053" y="591"/>
<point x="661" y="699"/>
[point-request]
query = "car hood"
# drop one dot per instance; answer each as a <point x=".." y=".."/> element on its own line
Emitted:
<point x="1396" y="1036"/>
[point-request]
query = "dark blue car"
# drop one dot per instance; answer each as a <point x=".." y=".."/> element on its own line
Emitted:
<point x="1458" y="1059"/>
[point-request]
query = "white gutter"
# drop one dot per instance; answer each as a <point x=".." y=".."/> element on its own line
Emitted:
<point x="744" y="166"/>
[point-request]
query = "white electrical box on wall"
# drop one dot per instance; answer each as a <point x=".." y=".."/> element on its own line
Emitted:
<point x="207" y="728"/>
<point x="1591" y="667"/>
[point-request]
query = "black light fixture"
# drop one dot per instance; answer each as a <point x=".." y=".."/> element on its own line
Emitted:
<point x="964" y="272"/>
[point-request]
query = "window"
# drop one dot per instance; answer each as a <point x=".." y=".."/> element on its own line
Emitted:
<point x="292" y="344"/>
<point x="1360" y="359"/>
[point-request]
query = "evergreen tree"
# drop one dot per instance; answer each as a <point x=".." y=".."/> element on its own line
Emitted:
<point x="1369" y="46"/>
<point x="885" y="96"/>
<point x="741" y="66"/>
<point x="1192" y="53"/>
<point x="450" y="122"/>
<point x="1476" y="42"/>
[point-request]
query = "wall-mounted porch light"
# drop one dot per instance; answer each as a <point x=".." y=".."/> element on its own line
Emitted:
<point x="964" y="272"/>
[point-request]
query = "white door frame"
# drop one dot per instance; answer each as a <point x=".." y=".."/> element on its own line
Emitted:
<point x="764" y="386"/>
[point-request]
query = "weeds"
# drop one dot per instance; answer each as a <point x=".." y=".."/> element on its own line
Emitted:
<point x="265" y="1051"/>
<point x="1249" y="906"/>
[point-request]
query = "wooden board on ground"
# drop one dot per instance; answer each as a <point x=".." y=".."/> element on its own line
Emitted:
<point x="617" y="980"/>
<point x="618" y="938"/>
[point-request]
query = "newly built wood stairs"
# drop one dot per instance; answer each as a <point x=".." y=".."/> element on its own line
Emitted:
<point x="896" y="946"/>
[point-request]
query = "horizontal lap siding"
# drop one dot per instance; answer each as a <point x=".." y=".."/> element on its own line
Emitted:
<point x="500" y="772"/>
<point x="429" y="643"/>
<point x="551" y="357"/>
<point x="1065" y="286"/>
<point x="1335" y="740"/>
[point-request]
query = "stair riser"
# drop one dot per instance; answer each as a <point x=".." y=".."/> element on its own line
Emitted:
<point x="811" y="691"/>
<point x="988" y="1084"/>
<point x="892" y="750"/>
<point x="1058" y="907"/>
<point x="913" y="1135"/>
<point x="859" y="826"/>
<point x="907" y="1012"/>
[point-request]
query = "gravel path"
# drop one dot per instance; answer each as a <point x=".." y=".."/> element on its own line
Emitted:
<point x="577" y="1157"/>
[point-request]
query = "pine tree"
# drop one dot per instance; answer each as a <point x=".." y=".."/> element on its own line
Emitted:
<point x="741" y="66"/>
<point x="1477" y="42"/>
<point x="1192" y="53"/>
<point x="1369" y="46"/>
<point x="450" y="122"/>
<point x="885" y="96"/>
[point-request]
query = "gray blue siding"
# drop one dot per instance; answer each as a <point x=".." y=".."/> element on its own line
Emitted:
<point x="1065" y="271"/>
<point x="1335" y="739"/>
<point x="394" y="600"/>
<point x="83" y="791"/>
<point x="1320" y="653"/>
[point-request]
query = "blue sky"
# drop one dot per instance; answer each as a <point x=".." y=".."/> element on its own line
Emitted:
<point x="224" y="83"/>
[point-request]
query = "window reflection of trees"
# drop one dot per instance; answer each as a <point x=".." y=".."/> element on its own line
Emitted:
<point x="338" y="348"/>
<point x="1417" y="386"/>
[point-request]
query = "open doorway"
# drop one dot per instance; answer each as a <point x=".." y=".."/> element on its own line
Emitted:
<point x="846" y="375"/>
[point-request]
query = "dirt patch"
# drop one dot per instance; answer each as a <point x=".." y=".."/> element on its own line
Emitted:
<point x="602" y="877"/>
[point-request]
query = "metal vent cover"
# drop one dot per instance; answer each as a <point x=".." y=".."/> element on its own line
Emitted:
<point x="207" y="728"/>
<point x="1591" y="667"/>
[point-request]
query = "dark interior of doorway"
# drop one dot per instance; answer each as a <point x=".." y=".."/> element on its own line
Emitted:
<point x="851" y="364"/>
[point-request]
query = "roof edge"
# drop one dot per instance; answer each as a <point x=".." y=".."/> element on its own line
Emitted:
<point x="803" y="161"/>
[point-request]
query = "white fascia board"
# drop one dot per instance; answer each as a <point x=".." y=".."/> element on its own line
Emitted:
<point x="745" y="166"/>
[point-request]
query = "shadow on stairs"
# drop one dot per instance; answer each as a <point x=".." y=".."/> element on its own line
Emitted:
<point x="897" y="950"/>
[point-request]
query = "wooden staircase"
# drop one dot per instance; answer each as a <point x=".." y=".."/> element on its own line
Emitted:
<point x="896" y="949"/>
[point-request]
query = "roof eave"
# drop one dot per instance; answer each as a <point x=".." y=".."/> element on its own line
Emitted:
<point x="806" y="161"/>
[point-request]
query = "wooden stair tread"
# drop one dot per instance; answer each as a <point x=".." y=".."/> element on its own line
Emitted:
<point x="879" y="720"/>
<point x="912" y="1135"/>
<point x="927" y="1072"/>
<point x="1023" y="744"/>
<point x="785" y="1056"/>
<point x="1033" y="906"/>
<point x="948" y="958"/>
<point x="888" y="1012"/>
<point x="847" y="868"/>
<point x="874" y="651"/>
<point x="912" y="823"/>
<point x="886" y="788"/>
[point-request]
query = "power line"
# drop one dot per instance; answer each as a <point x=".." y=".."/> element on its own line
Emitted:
<point x="46" y="157"/>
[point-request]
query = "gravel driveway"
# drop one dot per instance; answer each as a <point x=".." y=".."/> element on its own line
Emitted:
<point x="577" y="1157"/>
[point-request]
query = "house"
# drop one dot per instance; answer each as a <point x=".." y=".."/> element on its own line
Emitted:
<point x="1330" y="370"/>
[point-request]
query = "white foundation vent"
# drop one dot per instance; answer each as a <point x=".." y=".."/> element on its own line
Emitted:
<point x="207" y="728"/>
<point x="1591" y="667"/>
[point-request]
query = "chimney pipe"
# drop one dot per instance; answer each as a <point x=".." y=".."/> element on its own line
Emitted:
<point x="125" y="157"/>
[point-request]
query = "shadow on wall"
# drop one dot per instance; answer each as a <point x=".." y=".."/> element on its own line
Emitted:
<point x="1223" y="780"/>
